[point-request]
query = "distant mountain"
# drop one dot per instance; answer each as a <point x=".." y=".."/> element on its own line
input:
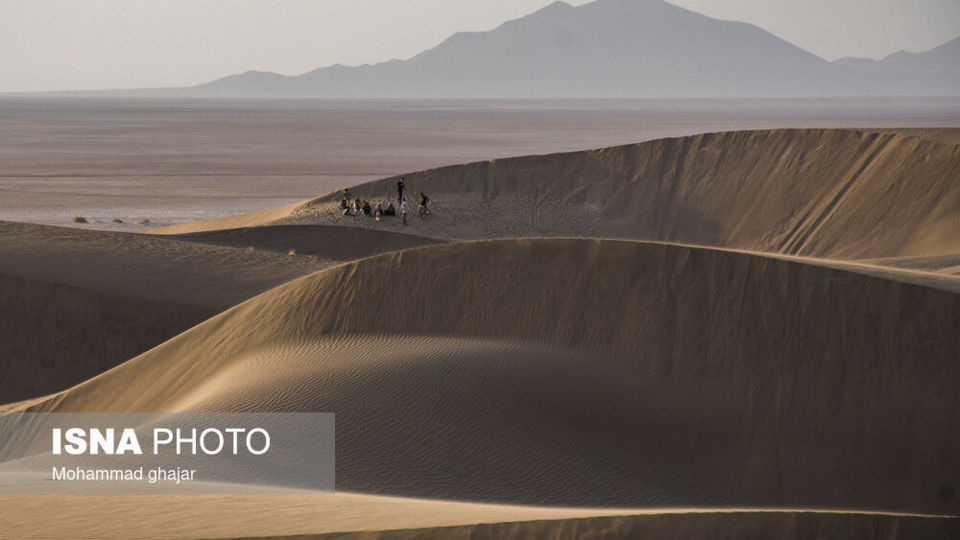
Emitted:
<point x="936" y="69"/>
<point x="610" y="48"/>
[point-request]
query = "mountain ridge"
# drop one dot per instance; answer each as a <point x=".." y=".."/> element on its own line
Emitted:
<point x="605" y="49"/>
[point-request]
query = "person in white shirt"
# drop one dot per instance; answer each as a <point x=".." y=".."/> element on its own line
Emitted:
<point x="404" y="208"/>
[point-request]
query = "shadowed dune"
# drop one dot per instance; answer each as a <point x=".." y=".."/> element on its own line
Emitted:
<point x="718" y="525"/>
<point x="75" y="303"/>
<point x="326" y="242"/>
<point x="833" y="193"/>
<point x="701" y="376"/>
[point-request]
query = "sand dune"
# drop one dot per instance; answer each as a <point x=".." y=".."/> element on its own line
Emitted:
<point x="76" y="303"/>
<point x="80" y="302"/>
<point x="819" y="192"/>
<point x="683" y="525"/>
<point x="372" y="517"/>
<point x="801" y="355"/>
<point x="252" y="219"/>
<point x="701" y="376"/>
<point x="948" y="264"/>
<point x="341" y="243"/>
<point x="145" y="267"/>
<point x="368" y="516"/>
<point x="826" y="193"/>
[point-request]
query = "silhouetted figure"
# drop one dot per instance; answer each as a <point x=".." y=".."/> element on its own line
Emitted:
<point x="400" y="187"/>
<point x="366" y="208"/>
<point x="423" y="211"/>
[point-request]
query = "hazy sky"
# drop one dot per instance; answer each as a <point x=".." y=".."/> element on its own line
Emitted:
<point x="86" y="44"/>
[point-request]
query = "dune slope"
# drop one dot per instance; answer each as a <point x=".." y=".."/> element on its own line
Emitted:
<point x="701" y="376"/>
<point x="947" y="264"/>
<point x="835" y="193"/>
<point x="251" y="219"/>
<point x="354" y="516"/>
<point x="692" y="524"/>
<point x="826" y="193"/>
<point x="326" y="242"/>
<point x="75" y="303"/>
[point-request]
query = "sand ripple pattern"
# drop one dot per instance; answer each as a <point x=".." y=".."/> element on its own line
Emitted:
<point x="589" y="372"/>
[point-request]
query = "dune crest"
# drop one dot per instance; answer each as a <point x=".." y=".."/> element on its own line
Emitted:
<point x="791" y="191"/>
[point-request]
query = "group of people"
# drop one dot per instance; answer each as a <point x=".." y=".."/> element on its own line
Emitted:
<point x="363" y="207"/>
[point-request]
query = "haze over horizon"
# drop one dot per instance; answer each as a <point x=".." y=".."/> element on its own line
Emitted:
<point x="96" y="44"/>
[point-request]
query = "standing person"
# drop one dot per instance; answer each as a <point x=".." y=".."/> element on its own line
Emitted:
<point x="400" y="187"/>
<point x="424" y="201"/>
<point x="404" y="208"/>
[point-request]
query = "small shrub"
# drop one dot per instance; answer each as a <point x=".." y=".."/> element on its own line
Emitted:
<point x="80" y="219"/>
<point x="144" y="221"/>
<point x="117" y="220"/>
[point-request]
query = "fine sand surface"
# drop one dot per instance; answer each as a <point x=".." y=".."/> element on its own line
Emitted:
<point x="772" y="323"/>
<point x="334" y="243"/>
<point x="371" y="517"/>
<point x="795" y="376"/>
<point x="943" y="264"/>
<point x="684" y="524"/>
<point x="76" y="303"/>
